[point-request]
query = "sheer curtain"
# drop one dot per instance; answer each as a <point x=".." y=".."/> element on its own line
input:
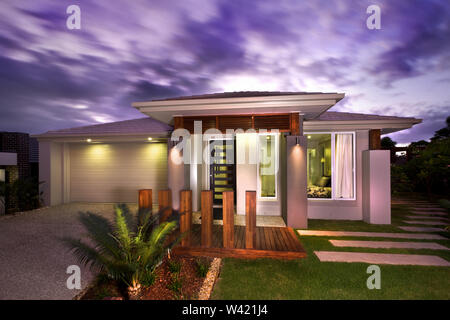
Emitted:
<point x="344" y="165"/>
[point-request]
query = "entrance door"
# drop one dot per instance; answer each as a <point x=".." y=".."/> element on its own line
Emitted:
<point x="222" y="172"/>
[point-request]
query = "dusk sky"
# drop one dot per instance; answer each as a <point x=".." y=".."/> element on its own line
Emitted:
<point x="52" y="77"/>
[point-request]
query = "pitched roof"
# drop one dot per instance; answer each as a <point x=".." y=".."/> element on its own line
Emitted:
<point x="349" y="116"/>
<point x="145" y="125"/>
<point x="238" y="94"/>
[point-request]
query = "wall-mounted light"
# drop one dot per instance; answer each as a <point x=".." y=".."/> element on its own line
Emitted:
<point x="297" y="140"/>
<point x="309" y="137"/>
<point x="89" y="140"/>
<point x="149" y="139"/>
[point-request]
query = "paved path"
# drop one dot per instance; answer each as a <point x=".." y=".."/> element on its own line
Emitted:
<point x="382" y="258"/>
<point x="388" y="244"/>
<point x="421" y="229"/>
<point x="370" y="234"/>
<point x="427" y="218"/>
<point x="33" y="261"/>
<point x="431" y="223"/>
<point x="428" y="213"/>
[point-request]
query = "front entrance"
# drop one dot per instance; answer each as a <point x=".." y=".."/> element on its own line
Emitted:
<point x="222" y="171"/>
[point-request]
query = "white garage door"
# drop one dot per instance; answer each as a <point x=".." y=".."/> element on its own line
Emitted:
<point x="115" y="172"/>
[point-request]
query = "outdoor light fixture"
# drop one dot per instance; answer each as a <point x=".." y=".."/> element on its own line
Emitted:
<point x="149" y="139"/>
<point x="89" y="140"/>
<point x="297" y="142"/>
<point x="309" y="137"/>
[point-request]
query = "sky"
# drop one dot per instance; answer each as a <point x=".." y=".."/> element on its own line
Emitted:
<point x="52" y="77"/>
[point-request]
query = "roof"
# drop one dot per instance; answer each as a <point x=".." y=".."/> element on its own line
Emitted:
<point x="127" y="127"/>
<point x="238" y="94"/>
<point x="348" y="116"/>
<point x="152" y="126"/>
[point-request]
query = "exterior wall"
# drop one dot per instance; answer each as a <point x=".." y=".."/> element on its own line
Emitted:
<point x="19" y="143"/>
<point x="344" y="209"/>
<point x="50" y="172"/>
<point x="376" y="187"/>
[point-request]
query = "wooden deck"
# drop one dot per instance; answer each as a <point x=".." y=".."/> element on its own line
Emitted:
<point x="271" y="242"/>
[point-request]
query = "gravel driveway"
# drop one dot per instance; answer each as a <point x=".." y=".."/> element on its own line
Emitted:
<point x="33" y="261"/>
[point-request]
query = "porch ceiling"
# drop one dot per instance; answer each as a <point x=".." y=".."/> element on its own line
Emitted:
<point x="310" y="105"/>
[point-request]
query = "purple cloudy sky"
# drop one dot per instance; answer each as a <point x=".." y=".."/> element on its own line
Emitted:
<point x="52" y="77"/>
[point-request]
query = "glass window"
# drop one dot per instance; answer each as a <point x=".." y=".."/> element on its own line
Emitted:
<point x="319" y="166"/>
<point x="267" y="166"/>
<point x="331" y="165"/>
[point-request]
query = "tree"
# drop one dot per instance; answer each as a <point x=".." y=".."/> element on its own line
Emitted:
<point x="387" y="143"/>
<point x="442" y="133"/>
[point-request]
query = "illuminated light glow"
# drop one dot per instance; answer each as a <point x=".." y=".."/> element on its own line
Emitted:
<point x="309" y="137"/>
<point x="149" y="139"/>
<point x="89" y="140"/>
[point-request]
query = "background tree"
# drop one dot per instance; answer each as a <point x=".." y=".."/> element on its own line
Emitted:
<point x="387" y="143"/>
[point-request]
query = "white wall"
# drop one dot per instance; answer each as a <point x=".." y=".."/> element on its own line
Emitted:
<point x="344" y="209"/>
<point x="377" y="187"/>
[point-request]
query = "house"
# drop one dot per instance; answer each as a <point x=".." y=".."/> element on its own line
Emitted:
<point x="19" y="156"/>
<point x="303" y="160"/>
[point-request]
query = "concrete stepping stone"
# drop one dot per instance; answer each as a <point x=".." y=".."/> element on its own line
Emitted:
<point x="382" y="258"/>
<point x="427" y="218"/>
<point x="324" y="233"/>
<point x="436" y="213"/>
<point x="421" y="229"/>
<point x="429" y="223"/>
<point x="388" y="244"/>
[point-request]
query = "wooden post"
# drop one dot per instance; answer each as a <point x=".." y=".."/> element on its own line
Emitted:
<point x="186" y="216"/>
<point x="250" y="219"/>
<point x="228" y="219"/>
<point x="207" y="218"/>
<point x="374" y="139"/>
<point x="145" y="199"/>
<point x="165" y="202"/>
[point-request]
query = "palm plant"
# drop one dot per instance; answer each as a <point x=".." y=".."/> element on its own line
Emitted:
<point x="128" y="250"/>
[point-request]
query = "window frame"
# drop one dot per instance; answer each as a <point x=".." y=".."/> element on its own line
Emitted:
<point x="333" y="162"/>
<point x="277" y="164"/>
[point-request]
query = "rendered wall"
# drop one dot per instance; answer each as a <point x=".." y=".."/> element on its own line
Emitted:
<point x="344" y="209"/>
<point x="376" y="186"/>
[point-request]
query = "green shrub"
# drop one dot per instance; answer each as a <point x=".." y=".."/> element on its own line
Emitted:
<point x="176" y="283"/>
<point x="174" y="266"/>
<point x="444" y="203"/>
<point x="127" y="250"/>
<point x="202" y="267"/>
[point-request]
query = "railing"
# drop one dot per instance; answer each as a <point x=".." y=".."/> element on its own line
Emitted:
<point x="165" y="205"/>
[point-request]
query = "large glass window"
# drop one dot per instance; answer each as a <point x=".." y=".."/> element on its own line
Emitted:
<point x="331" y="166"/>
<point x="268" y="165"/>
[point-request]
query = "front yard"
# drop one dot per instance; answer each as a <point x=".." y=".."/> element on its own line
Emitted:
<point x="311" y="279"/>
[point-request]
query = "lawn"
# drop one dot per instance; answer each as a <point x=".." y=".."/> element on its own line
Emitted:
<point x="311" y="279"/>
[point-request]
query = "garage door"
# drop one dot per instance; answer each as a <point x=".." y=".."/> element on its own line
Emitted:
<point x="115" y="172"/>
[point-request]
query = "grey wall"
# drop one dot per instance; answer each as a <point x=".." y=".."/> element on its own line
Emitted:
<point x="344" y="209"/>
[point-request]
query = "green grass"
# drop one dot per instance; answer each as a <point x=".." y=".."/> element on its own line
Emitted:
<point x="311" y="279"/>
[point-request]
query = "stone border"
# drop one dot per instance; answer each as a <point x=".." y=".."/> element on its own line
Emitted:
<point x="210" y="279"/>
<point x="20" y="213"/>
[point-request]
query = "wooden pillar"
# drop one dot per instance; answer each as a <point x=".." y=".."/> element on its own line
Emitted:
<point x="375" y="139"/>
<point x="165" y="204"/>
<point x="186" y="216"/>
<point x="250" y="219"/>
<point x="228" y="219"/>
<point x="145" y="199"/>
<point x="207" y="218"/>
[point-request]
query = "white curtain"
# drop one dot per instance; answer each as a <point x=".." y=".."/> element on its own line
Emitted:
<point x="344" y="165"/>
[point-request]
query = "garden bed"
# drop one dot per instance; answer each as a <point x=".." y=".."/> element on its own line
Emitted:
<point x="180" y="277"/>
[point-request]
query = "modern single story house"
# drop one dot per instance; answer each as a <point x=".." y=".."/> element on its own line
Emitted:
<point x="303" y="160"/>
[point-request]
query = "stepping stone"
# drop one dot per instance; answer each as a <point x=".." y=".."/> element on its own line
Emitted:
<point x="422" y="229"/>
<point x="389" y="244"/>
<point x="428" y="218"/>
<point x="436" y="213"/>
<point x="429" y="223"/>
<point x="382" y="258"/>
<point x="323" y="233"/>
